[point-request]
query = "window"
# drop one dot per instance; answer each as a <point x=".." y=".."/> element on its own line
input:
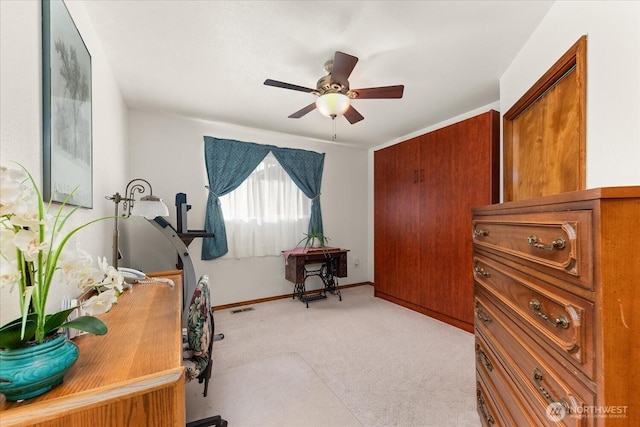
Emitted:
<point x="265" y="215"/>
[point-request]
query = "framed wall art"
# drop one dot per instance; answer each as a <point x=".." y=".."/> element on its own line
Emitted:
<point x="67" y="120"/>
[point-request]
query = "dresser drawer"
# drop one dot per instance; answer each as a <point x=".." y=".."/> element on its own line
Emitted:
<point x="488" y="404"/>
<point x="557" y="319"/>
<point x="543" y="382"/>
<point x="490" y="370"/>
<point x="556" y="243"/>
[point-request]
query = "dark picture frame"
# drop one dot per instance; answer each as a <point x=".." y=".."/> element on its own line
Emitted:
<point x="66" y="110"/>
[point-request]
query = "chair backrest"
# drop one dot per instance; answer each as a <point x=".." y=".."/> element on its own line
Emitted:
<point x="200" y="335"/>
<point x="200" y="325"/>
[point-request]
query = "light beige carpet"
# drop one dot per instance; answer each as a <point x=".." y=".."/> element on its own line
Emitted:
<point x="359" y="361"/>
<point x="281" y="390"/>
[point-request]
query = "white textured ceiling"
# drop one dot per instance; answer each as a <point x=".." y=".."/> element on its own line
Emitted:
<point x="209" y="59"/>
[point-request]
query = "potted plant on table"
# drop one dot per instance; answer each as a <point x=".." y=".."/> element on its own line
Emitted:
<point x="33" y="259"/>
<point x="314" y="239"/>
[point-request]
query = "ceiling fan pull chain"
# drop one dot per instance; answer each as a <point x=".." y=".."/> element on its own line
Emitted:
<point x="334" y="128"/>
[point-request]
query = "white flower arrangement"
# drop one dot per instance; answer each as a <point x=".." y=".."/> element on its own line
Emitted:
<point x="33" y="260"/>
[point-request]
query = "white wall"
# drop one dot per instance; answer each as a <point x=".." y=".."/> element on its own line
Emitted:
<point x="21" y="123"/>
<point x="168" y="151"/>
<point x="613" y="80"/>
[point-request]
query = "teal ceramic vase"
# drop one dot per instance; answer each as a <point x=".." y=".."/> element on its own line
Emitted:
<point x="34" y="369"/>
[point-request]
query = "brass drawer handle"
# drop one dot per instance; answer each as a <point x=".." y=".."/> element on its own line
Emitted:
<point x="480" y="314"/>
<point x="480" y="271"/>
<point x="480" y="233"/>
<point x="556" y="244"/>
<point x="482" y="356"/>
<point x="537" y="378"/>
<point x="485" y="413"/>
<point x="561" y="320"/>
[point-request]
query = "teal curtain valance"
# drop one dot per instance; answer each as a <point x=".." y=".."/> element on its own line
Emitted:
<point x="230" y="162"/>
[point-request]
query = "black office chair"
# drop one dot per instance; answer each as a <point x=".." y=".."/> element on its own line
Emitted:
<point x="197" y="356"/>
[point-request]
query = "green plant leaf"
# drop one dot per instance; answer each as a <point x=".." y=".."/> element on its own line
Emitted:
<point x="29" y="316"/>
<point x="11" y="333"/>
<point x="28" y="292"/>
<point x="308" y="239"/>
<point x="89" y="324"/>
<point x="53" y="321"/>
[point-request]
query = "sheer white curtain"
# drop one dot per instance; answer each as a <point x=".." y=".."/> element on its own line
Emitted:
<point x="265" y="215"/>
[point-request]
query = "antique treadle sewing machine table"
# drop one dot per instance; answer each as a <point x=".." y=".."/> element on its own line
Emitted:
<point x="333" y="264"/>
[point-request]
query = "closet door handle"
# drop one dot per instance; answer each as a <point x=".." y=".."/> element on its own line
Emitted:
<point x="415" y="176"/>
<point x="421" y="175"/>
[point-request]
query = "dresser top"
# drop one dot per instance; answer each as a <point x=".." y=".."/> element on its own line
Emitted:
<point x="602" y="193"/>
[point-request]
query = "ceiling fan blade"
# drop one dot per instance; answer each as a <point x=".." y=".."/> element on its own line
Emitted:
<point x="343" y="65"/>
<point x="352" y="115"/>
<point x="379" y="92"/>
<point x="304" y="111"/>
<point x="284" y="85"/>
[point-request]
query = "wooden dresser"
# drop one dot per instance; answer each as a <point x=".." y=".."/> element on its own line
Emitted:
<point x="557" y="309"/>
<point x="133" y="376"/>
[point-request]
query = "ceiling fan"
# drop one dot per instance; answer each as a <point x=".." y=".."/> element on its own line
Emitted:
<point x="333" y="92"/>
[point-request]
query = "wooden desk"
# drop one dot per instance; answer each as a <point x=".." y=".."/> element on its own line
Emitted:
<point x="333" y="263"/>
<point x="133" y="376"/>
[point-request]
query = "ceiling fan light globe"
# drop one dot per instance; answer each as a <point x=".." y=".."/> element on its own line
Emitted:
<point x="332" y="104"/>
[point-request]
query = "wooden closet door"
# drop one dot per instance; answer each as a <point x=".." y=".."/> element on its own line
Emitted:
<point x="460" y="173"/>
<point x="424" y="189"/>
<point x="397" y="220"/>
<point x="439" y="241"/>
